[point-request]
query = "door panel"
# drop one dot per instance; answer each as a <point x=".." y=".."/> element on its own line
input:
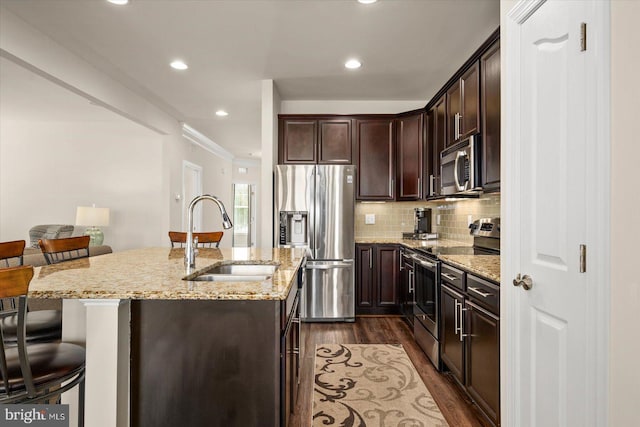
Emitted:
<point x="334" y="141"/>
<point x="388" y="268"/>
<point x="470" y="82"/>
<point x="376" y="159"/>
<point x="453" y="109"/>
<point x="451" y="347"/>
<point x="298" y="143"/>
<point x="410" y="156"/>
<point x="553" y="357"/>
<point x="330" y="292"/>
<point x="334" y="212"/>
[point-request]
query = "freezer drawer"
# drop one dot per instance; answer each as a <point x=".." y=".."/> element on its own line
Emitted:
<point x="329" y="294"/>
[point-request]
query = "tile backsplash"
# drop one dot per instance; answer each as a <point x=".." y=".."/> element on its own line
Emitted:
<point x="394" y="218"/>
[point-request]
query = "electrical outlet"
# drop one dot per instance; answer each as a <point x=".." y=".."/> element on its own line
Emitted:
<point x="370" y="219"/>
<point x="438" y="219"/>
<point x="469" y="219"/>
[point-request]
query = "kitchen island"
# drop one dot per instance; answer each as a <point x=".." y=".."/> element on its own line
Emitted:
<point x="166" y="351"/>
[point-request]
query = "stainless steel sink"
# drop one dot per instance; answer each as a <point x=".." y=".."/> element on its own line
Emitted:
<point x="238" y="273"/>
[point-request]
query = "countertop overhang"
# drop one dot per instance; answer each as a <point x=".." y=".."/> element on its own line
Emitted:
<point x="157" y="273"/>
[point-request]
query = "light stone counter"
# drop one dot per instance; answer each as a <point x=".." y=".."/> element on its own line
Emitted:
<point x="157" y="273"/>
<point x="487" y="266"/>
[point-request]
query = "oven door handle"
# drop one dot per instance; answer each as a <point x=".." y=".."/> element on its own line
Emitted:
<point x="424" y="263"/>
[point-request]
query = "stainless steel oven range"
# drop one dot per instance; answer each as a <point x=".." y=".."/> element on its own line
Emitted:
<point x="426" y="309"/>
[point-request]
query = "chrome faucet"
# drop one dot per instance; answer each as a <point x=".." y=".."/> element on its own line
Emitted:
<point x="189" y="249"/>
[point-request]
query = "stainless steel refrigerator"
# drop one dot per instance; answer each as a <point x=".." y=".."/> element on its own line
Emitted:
<point x="314" y="208"/>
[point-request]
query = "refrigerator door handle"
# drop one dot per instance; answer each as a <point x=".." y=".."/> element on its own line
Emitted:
<point x="345" y="264"/>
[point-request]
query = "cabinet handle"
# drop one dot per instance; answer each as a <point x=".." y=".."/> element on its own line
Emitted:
<point x="419" y="188"/>
<point x="482" y="294"/>
<point x="448" y="276"/>
<point x="459" y="125"/>
<point x="412" y="278"/>
<point x="462" y="334"/>
<point x="455" y="126"/>
<point x="432" y="180"/>
<point x="456" y="316"/>
<point x="391" y="187"/>
<point x="370" y="258"/>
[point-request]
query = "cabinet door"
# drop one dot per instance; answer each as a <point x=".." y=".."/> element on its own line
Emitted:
<point x="439" y="137"/>
<point x="298" y="141"/>
<point x="470" y="101"/>
<point x="409" y="140"/>
<point x="364" y="277"/>
<point x="375" y="153"/>
<point x="454" y="95"/>
<point x="490" y="71"/>
<point x="387" y="269"/>
<point x="483" y="359"/>
<point x="451" y="347"/>
<point x="334" y="141"/>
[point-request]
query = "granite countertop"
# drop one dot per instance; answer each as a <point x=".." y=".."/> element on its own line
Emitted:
<point x="157" y="273"/>
<point x="487" y="266"/>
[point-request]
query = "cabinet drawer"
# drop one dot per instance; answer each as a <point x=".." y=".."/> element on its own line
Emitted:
<point x="453" y="277"/>
<point x="485" y="293"/>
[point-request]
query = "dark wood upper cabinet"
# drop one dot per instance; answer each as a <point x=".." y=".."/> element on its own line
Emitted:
<point x="463" y="106"/>
<point x="436" y="138"/>
<point x="313" y="140"/>
<point x="334" y="141"/>
<point x="375" y="157"/>
<point x="298" y="139"/>
<point x="410" y="157"/>
<point x="453" y="113"/>
<point x="490" y="81"/>
<point x="470" y="101"/>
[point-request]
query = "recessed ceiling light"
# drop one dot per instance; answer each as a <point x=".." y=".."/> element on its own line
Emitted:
<point x="367" y="1"/>
<point x="221" y="113"/>
<point x="179" y="65"/>
<point x="119" y="2"/>
<point x="352" y="64"/>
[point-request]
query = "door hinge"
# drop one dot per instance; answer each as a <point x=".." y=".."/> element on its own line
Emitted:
<point x="583" y="37"/>
<point x="583" y="258"/>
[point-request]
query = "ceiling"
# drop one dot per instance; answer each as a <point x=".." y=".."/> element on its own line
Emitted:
<point x="408" y="48"/>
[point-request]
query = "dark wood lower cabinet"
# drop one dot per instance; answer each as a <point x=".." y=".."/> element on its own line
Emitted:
<point x="483" y="359"/>
<point x="377" y="279"/>
<point x="451" y="346"/>
<point x="470" y="341"/>
<point x="214" y="363"/>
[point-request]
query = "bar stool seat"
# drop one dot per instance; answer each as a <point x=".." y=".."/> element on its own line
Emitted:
<point x="49" y="362"/>
<point x="42" y="325"/>
<point x="35" y="373"/>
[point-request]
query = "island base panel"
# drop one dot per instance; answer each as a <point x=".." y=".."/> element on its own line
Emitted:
<point x="205" y="363"/>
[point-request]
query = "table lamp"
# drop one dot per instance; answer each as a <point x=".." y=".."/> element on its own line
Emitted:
<point x="92" y="218"/>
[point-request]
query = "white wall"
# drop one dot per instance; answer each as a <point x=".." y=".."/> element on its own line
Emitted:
<point x="216" y="180"/>
<point x="350" y="107"/>
<point x="625" y="203"/>
<point x="270" y="111"/>
<point x="48" y="169"/>
<point x="25" y="45"/>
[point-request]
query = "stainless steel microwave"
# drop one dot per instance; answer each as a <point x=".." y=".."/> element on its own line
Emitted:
<point x="460" y="168"/>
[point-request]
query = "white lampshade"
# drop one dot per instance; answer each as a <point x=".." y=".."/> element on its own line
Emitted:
<point x="92" y="216"/>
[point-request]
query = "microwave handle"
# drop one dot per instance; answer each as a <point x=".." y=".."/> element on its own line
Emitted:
<point x="459" y="186"/>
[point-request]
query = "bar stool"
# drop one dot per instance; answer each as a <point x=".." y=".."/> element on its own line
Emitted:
<point x="34" y="373"/>
<point x="67" y="249"/>
<point x="205" y="239"/>
<point x="42" y="325"/>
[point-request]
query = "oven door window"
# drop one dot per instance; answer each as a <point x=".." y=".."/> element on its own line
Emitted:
<point x="427" y="296"/>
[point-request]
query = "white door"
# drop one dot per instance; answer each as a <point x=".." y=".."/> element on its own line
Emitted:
<point x="191" y="188"/>
<point x="551" y="368"/>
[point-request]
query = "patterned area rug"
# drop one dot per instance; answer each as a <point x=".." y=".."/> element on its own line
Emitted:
<point x="358" y="385"/>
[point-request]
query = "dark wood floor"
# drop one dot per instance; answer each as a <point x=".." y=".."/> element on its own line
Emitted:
<point x="454" y="404"/>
